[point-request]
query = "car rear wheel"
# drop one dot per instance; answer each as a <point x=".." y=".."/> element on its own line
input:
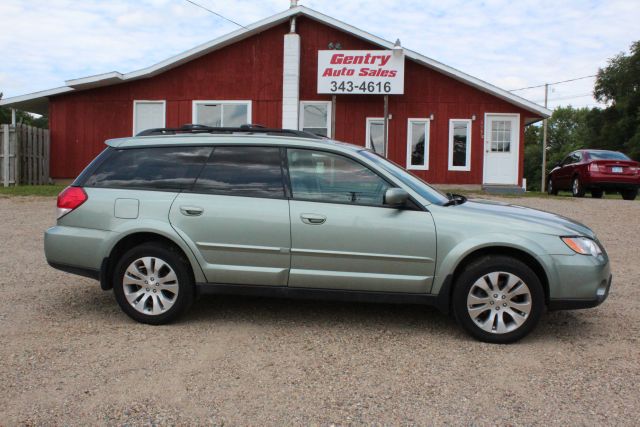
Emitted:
<point x="551" y="189"/>
<point x="152" y="284"/>
<point x="576" y="187"/>
<point x="597" y="193"/>
<point x="498" y="299"/>
<point x="629" y="194"/>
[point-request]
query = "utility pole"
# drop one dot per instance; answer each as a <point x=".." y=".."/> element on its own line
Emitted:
<point x="544" y="142"/>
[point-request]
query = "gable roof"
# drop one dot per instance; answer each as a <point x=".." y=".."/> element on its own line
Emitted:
<point x="37" y="102"/>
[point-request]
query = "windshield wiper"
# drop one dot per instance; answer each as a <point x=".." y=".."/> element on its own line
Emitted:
<point x="455" y="199"/>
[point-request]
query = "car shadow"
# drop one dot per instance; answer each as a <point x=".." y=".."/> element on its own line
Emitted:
<point x="96" y="305"/>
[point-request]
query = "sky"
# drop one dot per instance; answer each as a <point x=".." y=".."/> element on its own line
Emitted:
<point x="511" y="44"/>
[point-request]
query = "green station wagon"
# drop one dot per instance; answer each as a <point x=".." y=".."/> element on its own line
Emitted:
<point x="173" y="213"/>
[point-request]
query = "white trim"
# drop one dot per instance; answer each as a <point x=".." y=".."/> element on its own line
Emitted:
<point x="467" y="168"/>
<point x="486" y="142"/>
<point x="149" y="101"/>
<point x="240" y="34"/>
<point x="195" y="102"/>
<point x="291" y="81"/>
<point x="367" y="139"/>
<point x="427" y="142"/>
<point x="301" y="114"/>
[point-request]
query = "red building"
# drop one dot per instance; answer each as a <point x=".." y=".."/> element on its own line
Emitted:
<point x="447" y="127"/>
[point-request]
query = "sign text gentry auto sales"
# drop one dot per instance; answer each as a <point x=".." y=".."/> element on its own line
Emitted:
<point x="374" y="72"/>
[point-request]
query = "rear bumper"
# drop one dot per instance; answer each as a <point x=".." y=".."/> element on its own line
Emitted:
<point x="578" y="303"/>
<point x="75" y="250"/>
<point x="622" y="184"/>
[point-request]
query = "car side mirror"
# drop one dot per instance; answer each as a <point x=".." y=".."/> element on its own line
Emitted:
<point x="396" y="197"/>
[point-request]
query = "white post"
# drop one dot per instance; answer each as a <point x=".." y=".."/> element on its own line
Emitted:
<point x="291" y="79"/>
<point x="13" y="117"/>
<point x="386" y="124"/>
<point x="5" y="154"/>
<point x="544" y="142"/>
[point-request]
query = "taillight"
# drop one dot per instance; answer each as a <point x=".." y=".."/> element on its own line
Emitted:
<point x="634" y="169"/>
<point x="593" y="167"/>
<point x="70" y="199"/>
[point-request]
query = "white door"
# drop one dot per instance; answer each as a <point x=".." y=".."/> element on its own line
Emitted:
<point x="501" y="146"/>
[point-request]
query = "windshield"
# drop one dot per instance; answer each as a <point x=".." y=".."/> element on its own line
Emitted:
<point x="411" y="181"/>
<point x="607" y="155"/>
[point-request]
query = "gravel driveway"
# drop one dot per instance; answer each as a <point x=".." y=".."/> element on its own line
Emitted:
<point x="68" y="356"/>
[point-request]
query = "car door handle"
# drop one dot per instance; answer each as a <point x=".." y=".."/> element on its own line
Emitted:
<point x="191" y="210"/>
<point x="313" y="219"/>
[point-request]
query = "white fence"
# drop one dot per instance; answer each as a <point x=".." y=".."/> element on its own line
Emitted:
<point x="24" y="155"/>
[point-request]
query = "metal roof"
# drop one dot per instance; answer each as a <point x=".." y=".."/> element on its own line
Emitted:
<point x="38" y="102"/>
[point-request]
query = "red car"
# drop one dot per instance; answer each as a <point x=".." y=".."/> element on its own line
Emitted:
<point x="595" y="171"/>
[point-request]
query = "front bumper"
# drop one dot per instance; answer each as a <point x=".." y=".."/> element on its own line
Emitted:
<point x="579" y="303"/>
<point x="578" y="281"/>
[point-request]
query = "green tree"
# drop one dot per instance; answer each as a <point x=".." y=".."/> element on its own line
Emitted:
<point x="618" y="85"/>
<point x="23" y="117"/>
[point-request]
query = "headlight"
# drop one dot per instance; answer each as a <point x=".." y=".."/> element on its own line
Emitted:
<point x="582" y="245"/>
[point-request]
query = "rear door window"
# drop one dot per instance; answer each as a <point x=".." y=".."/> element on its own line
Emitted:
<point x="157" y="168"/>
<point x="243" y="171"/>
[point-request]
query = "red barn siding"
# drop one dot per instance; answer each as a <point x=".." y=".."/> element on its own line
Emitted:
<point x="248" y="70"/>
<point x="426" y="92"/>
<point x="252" y="70"/>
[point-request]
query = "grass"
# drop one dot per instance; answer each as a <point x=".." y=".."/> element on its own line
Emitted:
<point x="32" y="190"/>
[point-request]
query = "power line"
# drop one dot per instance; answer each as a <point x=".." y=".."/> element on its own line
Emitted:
<point x="215" y="13"/>
<point x="567" y="97"/>
<point x="554" y="83"/>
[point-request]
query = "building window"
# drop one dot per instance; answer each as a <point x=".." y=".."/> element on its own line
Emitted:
<point x="315" y="117"/>
<point x="148" y="115"/>
<point x="459" y="145"/>
<point x="418" y="144"/>
<point x="375" y="135"/>
<point x="222" y="113"/>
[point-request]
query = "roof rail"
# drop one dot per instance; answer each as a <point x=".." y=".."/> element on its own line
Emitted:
<point x="248" y="129"/>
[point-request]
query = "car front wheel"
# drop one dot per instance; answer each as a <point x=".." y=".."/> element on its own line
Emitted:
<point x="498" y="299"/>
<point x="152" y="284"/>
<point x="551" y="189"/>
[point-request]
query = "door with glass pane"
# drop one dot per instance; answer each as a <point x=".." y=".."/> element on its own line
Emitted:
<point x="375" y="136"/>
<point x="501" y="146"/>
<point x="344" y="237"/>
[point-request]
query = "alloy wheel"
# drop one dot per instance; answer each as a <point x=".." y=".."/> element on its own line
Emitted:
<point x="150" y="285"/>
<point x="499" y="302"/>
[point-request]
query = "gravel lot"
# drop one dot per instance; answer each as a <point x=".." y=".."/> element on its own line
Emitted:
<point x="68" y="356"/>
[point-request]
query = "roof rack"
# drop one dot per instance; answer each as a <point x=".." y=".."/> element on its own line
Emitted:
<point x="247" y="129"/>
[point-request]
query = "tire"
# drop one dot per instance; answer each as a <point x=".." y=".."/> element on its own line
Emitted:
<point x="140" y="294"/>
<point x="629" y="194"/>
<point x="576" y="187"/>
<point x="498" y="313"/>
<point x="597" y="193"/>
<point x="551" y="190"/>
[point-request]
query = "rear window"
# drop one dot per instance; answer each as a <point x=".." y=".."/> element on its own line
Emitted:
<point x="161" y="168"/>
<point x="243" y="171"/>
<point x="607" y="155"/>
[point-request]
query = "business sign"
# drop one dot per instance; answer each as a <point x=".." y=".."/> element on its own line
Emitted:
<point x="372" y="72"/>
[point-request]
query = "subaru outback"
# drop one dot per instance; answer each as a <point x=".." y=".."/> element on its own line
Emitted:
<point x="173" y="213"/>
